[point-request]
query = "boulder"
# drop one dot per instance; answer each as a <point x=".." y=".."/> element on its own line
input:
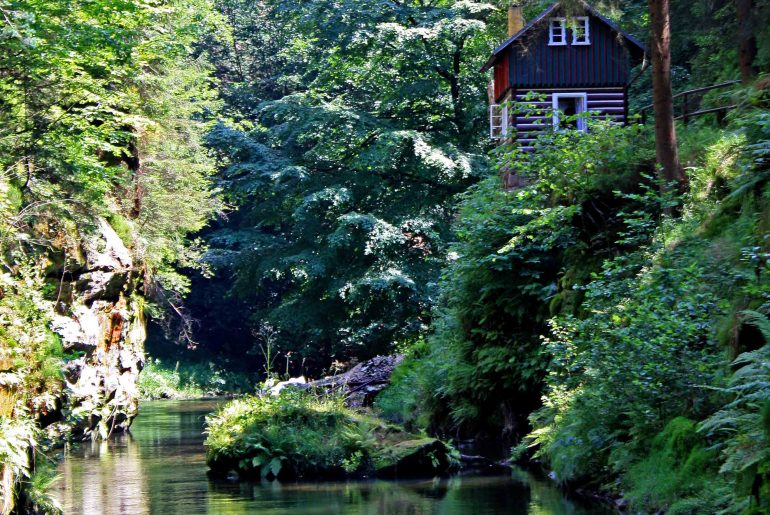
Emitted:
<point x="294" y="382"/>
<point x="420" y="457"/>
<point x="362" y="383"/>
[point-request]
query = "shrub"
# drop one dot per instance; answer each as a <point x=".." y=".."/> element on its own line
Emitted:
<point x="187" y="380"/>
<point x="648" y="347"/>
<point x="17" y="439"/>
<point x="742" y="427"/>
<point x="298" y="434"/>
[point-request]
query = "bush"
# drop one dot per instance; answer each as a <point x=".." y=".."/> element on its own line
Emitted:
<point x="650" y="346"/>
<point x="742" y="427"/>
<point x="17" y="439"/>
<point x="634" y="361"/>
<point x="679" y="473"/>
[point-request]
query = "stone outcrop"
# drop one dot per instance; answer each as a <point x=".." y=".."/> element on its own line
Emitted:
<point x="99" y="315"/>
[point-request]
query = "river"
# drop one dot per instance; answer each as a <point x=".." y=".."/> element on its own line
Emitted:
<point x="160" y="469"/>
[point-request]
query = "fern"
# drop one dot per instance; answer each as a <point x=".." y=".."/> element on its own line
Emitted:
<point x="743" y="425"/>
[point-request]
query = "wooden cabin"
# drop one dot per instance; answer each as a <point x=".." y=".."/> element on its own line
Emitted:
<point x="575" y="64"/>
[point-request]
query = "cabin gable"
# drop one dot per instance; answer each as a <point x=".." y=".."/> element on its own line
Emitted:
<point x="536" y="63"/>
<point x="550" y="53"/>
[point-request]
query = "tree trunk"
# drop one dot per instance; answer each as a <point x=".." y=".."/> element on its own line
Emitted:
<point x="747" y="41"/>
<point x="662" y="95"/>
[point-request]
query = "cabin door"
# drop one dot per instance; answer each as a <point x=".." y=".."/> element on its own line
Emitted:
<point x="566" y="106"/>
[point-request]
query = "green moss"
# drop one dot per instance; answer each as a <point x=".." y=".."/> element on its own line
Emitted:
<point x="679" y="474"/>
<point x="123" y="228"/>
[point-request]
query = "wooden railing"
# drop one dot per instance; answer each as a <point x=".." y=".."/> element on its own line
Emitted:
<point x="687" y="103"/>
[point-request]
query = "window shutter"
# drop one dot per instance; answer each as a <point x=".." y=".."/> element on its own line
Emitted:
<point x="495" y="121"/>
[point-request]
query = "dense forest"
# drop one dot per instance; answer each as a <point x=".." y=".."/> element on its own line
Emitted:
<point x="266" y="189"/>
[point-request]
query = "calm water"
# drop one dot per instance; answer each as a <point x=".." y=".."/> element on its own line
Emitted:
<point x="160" y="469"/>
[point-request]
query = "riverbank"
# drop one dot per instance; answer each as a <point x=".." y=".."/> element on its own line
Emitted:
<point x="185" y="381"/>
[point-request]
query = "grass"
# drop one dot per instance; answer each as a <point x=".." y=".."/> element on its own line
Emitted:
<point x="161" y="380"/>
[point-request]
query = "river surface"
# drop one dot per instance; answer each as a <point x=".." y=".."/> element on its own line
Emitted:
<point x="160" y="469"/>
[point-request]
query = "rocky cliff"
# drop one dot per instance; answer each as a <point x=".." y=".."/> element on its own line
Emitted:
<point x="98" y="314"/>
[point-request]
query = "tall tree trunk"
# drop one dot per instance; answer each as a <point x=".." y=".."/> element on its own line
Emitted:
<point x="747" y="41"/>
<point x="662" y="95"/>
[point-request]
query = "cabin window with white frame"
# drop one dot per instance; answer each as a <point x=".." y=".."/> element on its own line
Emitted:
<point x="567" y="111"/>
<point x="557" y="33"/>
<point x="498" y="121"/>
<point x="581" y="34"/>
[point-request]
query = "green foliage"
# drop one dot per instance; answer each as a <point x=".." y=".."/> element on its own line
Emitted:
<point x="742" y="426"/>
<point x="107" y="103"/>
<point x="17" y="439"/>
<point x="648" y="347"/>
<point x="519" y="256"/>
<point x="187" y="380"/>
<point x="679" y="474"/>
<point x="306" y="434"/>
<point x="371" y="120"/>
<point x="636" y="359"/>
<point x="410" y="388"/>
<point x="264" y="434"/>
<point x="104" y="107"/>
<point x="37" y="496"/>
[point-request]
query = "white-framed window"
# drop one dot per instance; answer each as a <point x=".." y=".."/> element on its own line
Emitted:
<point x="498" y="121"/>
<point x="566" y="106"/>
<point x="581" y="31"/>
<point x="557" y="32"/>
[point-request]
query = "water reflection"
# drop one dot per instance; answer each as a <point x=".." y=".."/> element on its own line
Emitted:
<point x="106" y="477"/>
<point x="160" y="469"/>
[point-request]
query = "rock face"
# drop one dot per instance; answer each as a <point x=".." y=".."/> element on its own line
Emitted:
<point x="99" y="315"/>
<point x="362" y="383"/>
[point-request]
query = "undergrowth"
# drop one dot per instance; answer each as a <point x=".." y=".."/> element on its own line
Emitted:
<point x="184" y="380"/>
<point x="640" y="400"/>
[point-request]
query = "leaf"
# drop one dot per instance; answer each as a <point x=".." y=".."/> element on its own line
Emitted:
<point x="273" y="467"/>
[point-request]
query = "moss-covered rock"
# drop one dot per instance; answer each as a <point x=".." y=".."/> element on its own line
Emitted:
<point x="301" y="435"/>
<point x="414" y="457"/>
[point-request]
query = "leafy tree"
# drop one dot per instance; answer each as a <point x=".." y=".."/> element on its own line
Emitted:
<point x="102" y="109"/>
<point x="344" y="174"/>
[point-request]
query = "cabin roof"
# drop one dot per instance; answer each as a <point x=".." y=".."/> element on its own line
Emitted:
<point x="491" y="61"/>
